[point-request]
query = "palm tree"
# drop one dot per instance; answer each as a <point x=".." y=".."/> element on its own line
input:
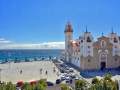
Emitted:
<point x="104" y="84"/>
<point x="95" y="81"/>
<point x="10" y="86"/>
<point x="65" y="87"/>
<point x="80" y="85"/>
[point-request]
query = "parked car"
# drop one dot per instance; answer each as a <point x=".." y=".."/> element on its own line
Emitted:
<point x="71" y="70"/>
<point x="58" y="81"/>
<point x="67" y="78"/>
<point x="65" y="65"/>
<point x="67" y="68"/>
<point x="76" y="78"/>
<point x="65" y="74"/>
<point x="73" y="76"/>
<point x="62" y="71"/>
<point x="67" y="81"/>
<point x="61" y="65"/>
<point x="63" y="77"/>
<point x="49" y="83"/>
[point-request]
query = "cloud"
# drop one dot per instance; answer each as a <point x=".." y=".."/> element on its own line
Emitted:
<point x="44" y="45"/>
<point x="7" y="44"/>
<point x="4" y="41"/>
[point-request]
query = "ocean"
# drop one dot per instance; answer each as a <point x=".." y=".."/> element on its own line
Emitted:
<point x="22" y="54"/>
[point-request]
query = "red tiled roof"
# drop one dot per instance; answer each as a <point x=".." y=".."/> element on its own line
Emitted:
<point x="74" y="43"/>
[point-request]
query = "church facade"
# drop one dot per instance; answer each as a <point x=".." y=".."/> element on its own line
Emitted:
<point x="89" y="54"/>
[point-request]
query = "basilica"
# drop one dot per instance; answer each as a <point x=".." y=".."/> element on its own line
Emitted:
<point x="89" y="54"/>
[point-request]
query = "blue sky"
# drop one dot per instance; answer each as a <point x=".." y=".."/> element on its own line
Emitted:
<point x="37" y="21"/>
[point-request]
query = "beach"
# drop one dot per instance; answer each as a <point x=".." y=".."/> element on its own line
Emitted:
<point x="35" y="70"/>
<point x="28" y="71"/>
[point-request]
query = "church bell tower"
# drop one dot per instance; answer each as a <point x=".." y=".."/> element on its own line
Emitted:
<point x="68" y="37"/>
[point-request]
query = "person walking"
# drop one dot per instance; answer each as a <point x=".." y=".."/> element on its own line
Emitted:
<point x="54" y="69"/>
<point x="46" y="72"/>
<point x="41" y="71"/>
<point x="20" y="71"/>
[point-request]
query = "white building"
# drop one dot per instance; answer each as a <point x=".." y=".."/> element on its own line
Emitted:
<point x="86" y="53"/>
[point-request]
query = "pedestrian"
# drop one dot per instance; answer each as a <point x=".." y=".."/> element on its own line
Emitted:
<point x="41" y="71"/>
<point x="58" y="73"/>
<point x="20" y="71"/>
<point x="54" y="69"/>
<point x="46" y="72"/>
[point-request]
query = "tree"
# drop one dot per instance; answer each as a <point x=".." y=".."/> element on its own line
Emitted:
<point x="104" y="84"/>
<point x="95" y="81"/>
<point x="10" y="86"/>
<point x="27" y="86"/>
<point x="80" y="85"/>
<point x="65" y="87"/>
<point x="41" y="85"/>
<point x="108" y="77"/>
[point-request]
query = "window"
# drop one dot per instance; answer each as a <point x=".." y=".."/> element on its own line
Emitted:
<point x="115" y="40"/>
<point x="88" y="39"/>
<point x="81" y="40"/>
<point x="103" y="43"/>
<point x="89" y="60"/>
<point x="88" y="46"/>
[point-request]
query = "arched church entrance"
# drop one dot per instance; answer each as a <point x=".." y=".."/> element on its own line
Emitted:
<point x="102" y="65"/>
<point x="103" y="60"/>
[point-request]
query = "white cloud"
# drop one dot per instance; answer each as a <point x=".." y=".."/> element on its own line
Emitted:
<point x="45" y="45"/>
<point x="4" y="41"/>
<point x="7" y="44"/>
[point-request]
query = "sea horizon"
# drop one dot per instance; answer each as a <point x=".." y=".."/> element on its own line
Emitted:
<point x="21" y="54"/>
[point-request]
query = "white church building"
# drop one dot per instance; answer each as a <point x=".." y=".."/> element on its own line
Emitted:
<point x="88" y="54"/>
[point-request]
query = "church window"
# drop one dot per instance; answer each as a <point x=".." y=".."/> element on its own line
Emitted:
<point x="115" y="40"/>
<point x="88" y="46"/>
<point x="89" y="60"/>
<point x="103" y="43"/>
<point x="88" y="39"/>
<point x="81" y="40"/>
